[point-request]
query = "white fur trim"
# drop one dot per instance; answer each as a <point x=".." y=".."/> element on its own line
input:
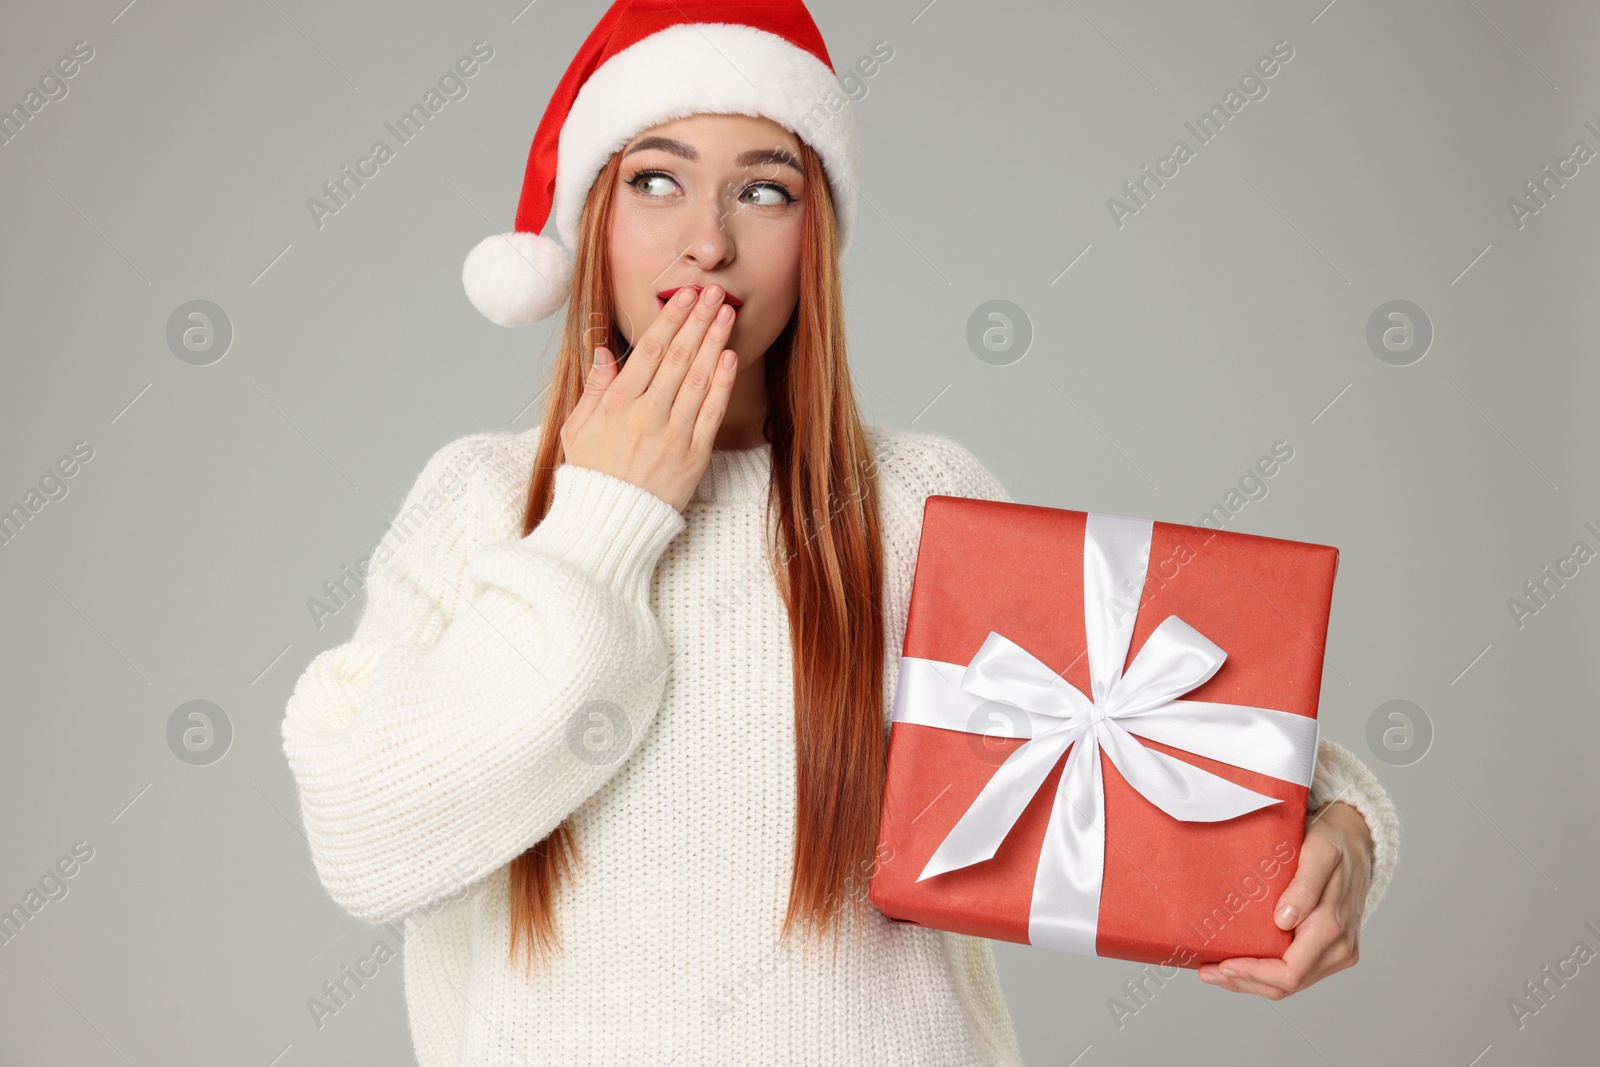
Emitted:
<point x="707" y="68"/>
<point x="516" y="278"/>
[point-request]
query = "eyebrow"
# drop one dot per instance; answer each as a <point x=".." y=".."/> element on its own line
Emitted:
<point x="683" y="149"/>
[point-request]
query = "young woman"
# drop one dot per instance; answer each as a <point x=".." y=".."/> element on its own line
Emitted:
<point x="610" y="733"/>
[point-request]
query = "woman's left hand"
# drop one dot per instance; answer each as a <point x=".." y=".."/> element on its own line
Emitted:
<point x="1323" y="905"/>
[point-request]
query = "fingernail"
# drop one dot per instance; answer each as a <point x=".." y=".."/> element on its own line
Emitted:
<point x="710" y="294"/>
<point x="685" y="296"/>
<point x="725" y="314"/>
<point x="1287" y="915"/>
<point x="1210" y="976"/>
<point x="1229" y="971"/>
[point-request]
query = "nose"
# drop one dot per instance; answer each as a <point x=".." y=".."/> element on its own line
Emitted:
<point x="706" y="239"/>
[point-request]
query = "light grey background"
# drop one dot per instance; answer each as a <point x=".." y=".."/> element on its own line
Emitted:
<point x="1229" y="313"/>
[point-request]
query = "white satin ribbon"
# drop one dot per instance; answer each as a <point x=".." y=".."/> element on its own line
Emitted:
<point x="1025" y="698"/>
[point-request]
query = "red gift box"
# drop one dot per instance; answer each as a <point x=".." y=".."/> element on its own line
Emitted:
<point x="1104" y="732"/>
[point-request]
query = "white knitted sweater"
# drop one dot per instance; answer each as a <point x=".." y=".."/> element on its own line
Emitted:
<point x="626" y="666"/>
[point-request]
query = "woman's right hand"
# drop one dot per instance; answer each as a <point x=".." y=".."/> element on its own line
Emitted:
<point x="653" y="422"/>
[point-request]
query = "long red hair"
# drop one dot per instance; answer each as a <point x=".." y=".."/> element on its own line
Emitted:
<point x="828" y="567"/>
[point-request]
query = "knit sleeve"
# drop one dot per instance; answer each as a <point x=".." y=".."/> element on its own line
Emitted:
<point x="1340" y="775"/>
<point x="962" y="473"/>
<point x="486" y="693"/>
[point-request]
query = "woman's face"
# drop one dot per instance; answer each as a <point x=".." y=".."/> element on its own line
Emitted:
<point x="703" y="199"/>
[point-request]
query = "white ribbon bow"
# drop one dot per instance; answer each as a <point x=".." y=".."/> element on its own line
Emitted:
<point x="1049" y="711"/>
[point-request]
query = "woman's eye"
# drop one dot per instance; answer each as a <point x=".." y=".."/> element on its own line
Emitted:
<point x="761" y="194"/>
<point x="641" y="181"/>
<point x="777" y="195"/>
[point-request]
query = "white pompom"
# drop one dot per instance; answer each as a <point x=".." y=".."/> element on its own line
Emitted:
<point x="516" y="279"/>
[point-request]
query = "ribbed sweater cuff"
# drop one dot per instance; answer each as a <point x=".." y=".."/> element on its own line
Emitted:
<point x="606" y="526"/>
<point x="1340" y="775"/>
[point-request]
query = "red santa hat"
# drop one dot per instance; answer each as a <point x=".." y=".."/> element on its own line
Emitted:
<point x="648" y="62"/>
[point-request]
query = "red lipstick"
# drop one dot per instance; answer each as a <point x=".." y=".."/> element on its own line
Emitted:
<point x="666" y="294"/>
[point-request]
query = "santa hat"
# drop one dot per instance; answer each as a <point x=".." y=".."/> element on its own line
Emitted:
<point x="648" y="62"/>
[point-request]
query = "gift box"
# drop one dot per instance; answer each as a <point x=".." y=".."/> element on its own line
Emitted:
<point x="1104" y="732"/>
